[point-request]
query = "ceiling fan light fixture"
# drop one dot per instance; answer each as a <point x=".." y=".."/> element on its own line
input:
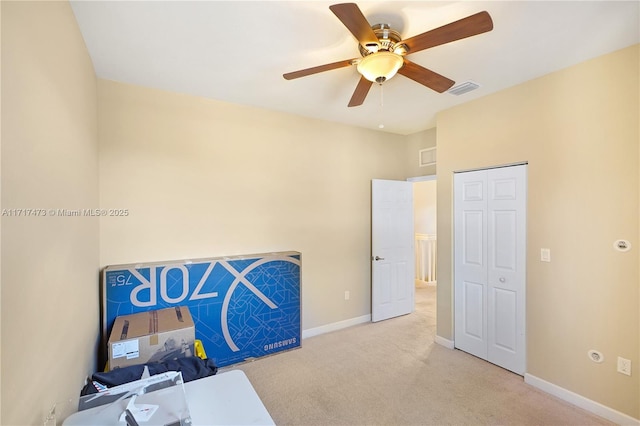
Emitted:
<point x="380" y="66"/>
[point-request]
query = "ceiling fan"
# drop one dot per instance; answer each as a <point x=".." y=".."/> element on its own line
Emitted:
<point x="384" y="51"/>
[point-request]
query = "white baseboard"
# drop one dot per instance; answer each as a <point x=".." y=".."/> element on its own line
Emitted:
<point x="310" y="332"/>
<point x="580" y="401"/>
<point x="444" y="342"/>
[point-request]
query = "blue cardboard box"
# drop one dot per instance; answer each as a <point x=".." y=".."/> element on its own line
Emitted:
<point x="242" y="306"/>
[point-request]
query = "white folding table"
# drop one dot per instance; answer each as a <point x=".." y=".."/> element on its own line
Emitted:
<point x="225" y="399"/>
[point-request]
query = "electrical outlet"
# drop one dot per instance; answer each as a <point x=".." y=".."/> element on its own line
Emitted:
<point x="624" y="366"/>
<point x="346" y="295"/>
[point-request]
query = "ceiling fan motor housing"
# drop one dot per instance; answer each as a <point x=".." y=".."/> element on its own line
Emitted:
<point x="388" y="39"/>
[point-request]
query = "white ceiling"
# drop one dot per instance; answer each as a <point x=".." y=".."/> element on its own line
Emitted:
<point x="237" y="51"/>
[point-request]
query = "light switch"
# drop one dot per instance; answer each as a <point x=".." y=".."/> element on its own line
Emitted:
<point x="545" y="255"/>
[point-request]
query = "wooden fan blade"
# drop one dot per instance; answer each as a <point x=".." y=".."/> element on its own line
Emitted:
<point x="352" y="18"/>
<point x="466" y="27"/>
<point x="362" y="89"/>
<point x="315" y="70"/>
<point x="425" y="77"/>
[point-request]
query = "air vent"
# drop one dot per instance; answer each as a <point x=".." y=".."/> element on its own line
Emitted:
<point x="427" y="157"/>
<point x="463" y="88"/>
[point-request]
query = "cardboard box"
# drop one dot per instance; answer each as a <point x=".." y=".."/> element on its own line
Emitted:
<point x="152" y="336"/>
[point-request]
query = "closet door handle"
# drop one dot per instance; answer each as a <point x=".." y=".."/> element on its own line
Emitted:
<point x="378" y="258"/>
<point x="502" y="279"/>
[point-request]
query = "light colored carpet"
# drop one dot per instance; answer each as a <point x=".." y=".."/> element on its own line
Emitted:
<point x="392" y="373"/>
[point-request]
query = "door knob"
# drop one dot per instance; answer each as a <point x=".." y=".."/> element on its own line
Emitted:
<point x="501" y="279"/>
<point x="379" y="258"/>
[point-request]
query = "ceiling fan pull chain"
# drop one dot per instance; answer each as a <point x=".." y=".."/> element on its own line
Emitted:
<point x="381" y="125"/>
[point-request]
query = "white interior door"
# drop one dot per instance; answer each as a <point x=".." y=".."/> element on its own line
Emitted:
<point x="470" y="260"/>
<point x="392" y="249"/>
<point x="490" y="276"/>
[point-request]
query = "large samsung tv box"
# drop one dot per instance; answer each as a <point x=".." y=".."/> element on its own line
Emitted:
<point x="243" y="307"/>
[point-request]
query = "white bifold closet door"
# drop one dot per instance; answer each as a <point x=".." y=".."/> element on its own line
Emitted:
<point x="489" y="264"/>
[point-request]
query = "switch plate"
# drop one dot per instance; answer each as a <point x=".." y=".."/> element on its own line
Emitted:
<point x="545" y="255"/>
<point x="624" y="366"/>
<point x="346" y="295"/>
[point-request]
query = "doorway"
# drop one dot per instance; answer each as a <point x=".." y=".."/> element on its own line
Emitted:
<point x="393" y="241"/>
<point x="425" y="231"/>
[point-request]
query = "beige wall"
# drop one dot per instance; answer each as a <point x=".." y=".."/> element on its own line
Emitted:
<point x="50" y="265"/>
<point x="204" y="178"/>
<point x="0" y="217"/>
<point x="424" y="207"/>
<point x="578" y="129"/>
